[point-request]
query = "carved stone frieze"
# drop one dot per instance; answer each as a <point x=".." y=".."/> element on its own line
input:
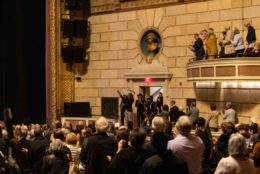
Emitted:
<point x="126" y="5"/>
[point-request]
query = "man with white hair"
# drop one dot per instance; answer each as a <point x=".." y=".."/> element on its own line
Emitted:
<point x="96" y="148"/>
<point x="229" y="114"/>
<point x="186" y="146"/>
<point x="250" y="37"/>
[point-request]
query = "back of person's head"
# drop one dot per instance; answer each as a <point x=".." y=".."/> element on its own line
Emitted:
<point x="200" y="122"/>
<point x="165" y="107"/>
<point x="184" y="125"/>
<point x="228" y="128"/>
<point x="56" y="146"/>
<point x="37" y="131"/>
<point x="137" y="137"/>
<point x="173" y="102"/>
<point x="160" y="141"/>
<point x="158" y="124"/>
<point x="101" y="124"/>
<point x="237" y="145"/>
<point x="86" y="132"/>
<point x="71" y="138"/>
<point x="130" y="125"/>
<point x="59" y="134"/>
<point x="228" y="105"/>
<point x="213" y="107"/>
<point x="254" y="128"/>
<point x="24" y="131"/>
<point x="122" y="134"/>
<point x="58" y="124"/>
<point x="236" y="31"/>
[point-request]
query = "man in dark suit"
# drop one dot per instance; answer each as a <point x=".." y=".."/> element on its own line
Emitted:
<point x="97" y="148"/>
<point x="38" y="150"/>
<point x="174" y="111"/>
<point x="197" y="47"/>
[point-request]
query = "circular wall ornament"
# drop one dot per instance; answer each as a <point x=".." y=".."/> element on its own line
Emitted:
<point x="150" y="44"/>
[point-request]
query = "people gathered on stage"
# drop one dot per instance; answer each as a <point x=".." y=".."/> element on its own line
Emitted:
<point x="231" y="44"/>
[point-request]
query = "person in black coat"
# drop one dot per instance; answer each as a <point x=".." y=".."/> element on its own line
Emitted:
<point x="38" y="150"/>
<point x="130" y="159"/>
<point x="56" y="162"/>
<point x="174" y="112"/>
<point x="139" y="104"/>
<point x="163" y="161"/>
<point x="22" y="149"/>
<point x="96" y="149"/>
<point x="197" y="47"/>
<point x="250" y="37"/>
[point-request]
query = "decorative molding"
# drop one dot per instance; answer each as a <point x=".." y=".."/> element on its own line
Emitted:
<point x="116" y="6"/>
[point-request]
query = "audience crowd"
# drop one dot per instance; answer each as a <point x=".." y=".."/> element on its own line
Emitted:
<point x="172" y="142"/>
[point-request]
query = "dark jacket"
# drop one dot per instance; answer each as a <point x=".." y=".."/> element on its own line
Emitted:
<point x="21" y="157"/>
<point x="55" y="163"/>
<point x="165" y="163"/>
<point x="174" y="113"/>
<point x="250" y="37"/>
<point x="39" y="147"/>
<point x="128" y="161"/>
<point x="94" y="152"/>
<point x="199" y="49"/>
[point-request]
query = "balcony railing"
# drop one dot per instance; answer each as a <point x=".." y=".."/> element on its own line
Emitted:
<point x="225" y="69"/>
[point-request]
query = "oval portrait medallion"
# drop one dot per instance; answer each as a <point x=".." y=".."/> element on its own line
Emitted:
<point x="150" y="44"/>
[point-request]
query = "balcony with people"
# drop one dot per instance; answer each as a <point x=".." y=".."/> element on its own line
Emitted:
<point x="228" y="58"/>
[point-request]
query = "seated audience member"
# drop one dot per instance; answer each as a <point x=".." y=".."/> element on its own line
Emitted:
<point x="56" y="162"/>
<point x="251" y="36"/>
<point x="213" y="118"/>
<point x="237" y="162"/>
<point x="163" y="161"/>
<point x="238" y="42"/>
<point x="229" y="114"/>
<point x="130" y="159"/>
<point x="197" y="47"/>
<point x="186" y="146"/>
<point x="211" y="45"/>
<point x="96" y="148"/>
<point x="221" y="147"/>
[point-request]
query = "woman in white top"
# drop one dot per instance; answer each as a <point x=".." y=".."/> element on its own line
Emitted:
<point x="237" y="162"/>
<point x="238" y="42"/>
